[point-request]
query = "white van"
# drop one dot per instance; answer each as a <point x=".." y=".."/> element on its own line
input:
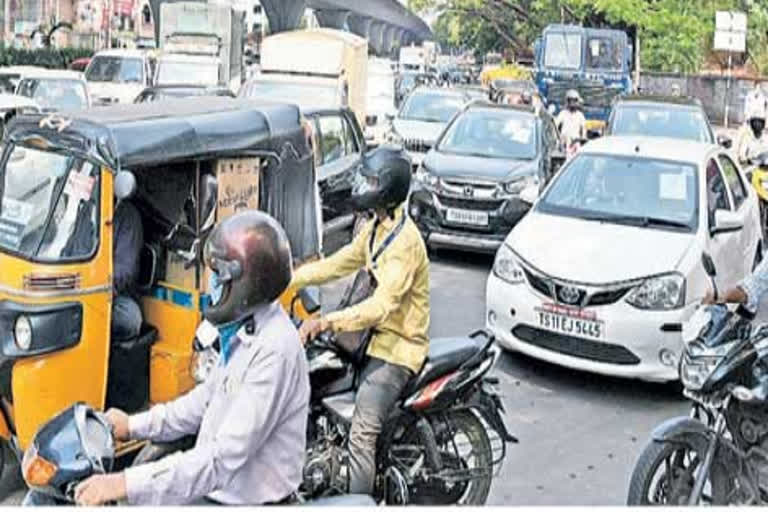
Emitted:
<point x="118" y="76"/>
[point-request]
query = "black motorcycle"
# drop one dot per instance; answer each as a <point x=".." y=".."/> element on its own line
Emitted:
<point x="442" y="440"/>
<point x="719" y="454"/>
<point x="78" y="443"/>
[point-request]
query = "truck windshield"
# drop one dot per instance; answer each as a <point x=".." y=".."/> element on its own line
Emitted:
<point x="48" y="205"/>
<point x="114" y="69"/>
<point x="604" y="53"/>
<point x="187" y="73"/>
<point x="562" y="50"/>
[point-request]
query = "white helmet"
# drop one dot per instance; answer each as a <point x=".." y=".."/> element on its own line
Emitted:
<point x="756" y="110"/>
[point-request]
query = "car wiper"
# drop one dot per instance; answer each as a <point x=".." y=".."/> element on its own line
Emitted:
<point x="642" y="221"/>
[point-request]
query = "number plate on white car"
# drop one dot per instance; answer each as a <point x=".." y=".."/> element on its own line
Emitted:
<point x="570" y="321"/>
<point x="467" y="217"/>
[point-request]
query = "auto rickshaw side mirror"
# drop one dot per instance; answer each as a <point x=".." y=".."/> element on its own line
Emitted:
<point x="124" y="185"/>
<point x="310" y="298"/>
<point x="208" y="193"/>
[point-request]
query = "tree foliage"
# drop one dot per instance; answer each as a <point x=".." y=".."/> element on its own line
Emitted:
<point x="675" y="35"/>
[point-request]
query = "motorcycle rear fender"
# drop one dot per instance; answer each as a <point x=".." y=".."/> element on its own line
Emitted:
<point x="488" y="404"/>
<point x="674" y="429"/>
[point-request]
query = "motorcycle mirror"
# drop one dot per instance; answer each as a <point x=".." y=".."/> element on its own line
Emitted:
<point x="709" y="265"/>
<point x="310" y="298"/>
<point x="124" y="185"/>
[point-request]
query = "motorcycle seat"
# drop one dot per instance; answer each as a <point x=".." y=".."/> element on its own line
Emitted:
<point x="445" y="355"/>
<point x="345" y="500"/>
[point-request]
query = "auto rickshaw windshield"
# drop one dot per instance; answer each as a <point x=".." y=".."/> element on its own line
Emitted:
<point x="48" y="205"/>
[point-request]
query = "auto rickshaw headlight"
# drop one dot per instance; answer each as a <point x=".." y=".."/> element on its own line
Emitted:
<point x="37" y="471"/>
<point x="22" y="332"/>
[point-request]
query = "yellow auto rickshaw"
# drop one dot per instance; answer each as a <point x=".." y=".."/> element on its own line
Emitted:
<point x="185" y="164"/>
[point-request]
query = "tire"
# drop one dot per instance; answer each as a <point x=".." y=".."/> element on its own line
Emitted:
<point x="469" y="435"/>
<point x="651" y="459"/>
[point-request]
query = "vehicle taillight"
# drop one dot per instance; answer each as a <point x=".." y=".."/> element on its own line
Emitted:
<point x="36" y="470"/>
<point x="427" y="395"/>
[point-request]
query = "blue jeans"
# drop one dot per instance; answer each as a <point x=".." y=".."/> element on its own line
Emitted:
<point x="126" y="318"/>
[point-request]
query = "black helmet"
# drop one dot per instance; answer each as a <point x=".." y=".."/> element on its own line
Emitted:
<point x="387" y="173"/>
<point x="250" y="257"/>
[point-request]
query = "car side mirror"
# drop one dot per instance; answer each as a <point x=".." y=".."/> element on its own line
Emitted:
<point x="724" y="141"/>
<point x="529" y="194"/>
<point x="310" y="299"/>
<point x="124" y="185"/>
<point x="709" y="265"/>
<point x="558" y="159"/>
<point x="726" y="221"/>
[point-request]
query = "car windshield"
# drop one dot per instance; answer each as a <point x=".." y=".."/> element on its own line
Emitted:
<point x="187" y="73"/>
<point x="431" y="107"/>
<point x="661" y="121"/>
<point x="115" y="69"/>
<point x="304" y="95"/>
<point x="48" y="205"/>
<point x="492" y="134"/>
<point x="55" y="93"/>
<point x="563" y="51"/>
<point x="624" y="190"/>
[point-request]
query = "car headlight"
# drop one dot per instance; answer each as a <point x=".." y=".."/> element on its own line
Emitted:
<point x="426" y="178"/>
<point x="517" y="185"/>
<point x="694" y="372"/>
<point x="22" y="332"/>
<point x="505" y="266"/>
<point x="659" y="293"/>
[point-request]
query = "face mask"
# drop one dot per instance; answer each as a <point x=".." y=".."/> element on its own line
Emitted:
<point x="215" y="288"/>
<point x="758" y="125"/>
<point x="226" y="333"/>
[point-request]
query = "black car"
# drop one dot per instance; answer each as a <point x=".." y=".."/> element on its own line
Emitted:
<point x="466" y="194"/>
<point x="339" y="145"/>
<point x="677" y="117"/>
<point x="161" y="92"/>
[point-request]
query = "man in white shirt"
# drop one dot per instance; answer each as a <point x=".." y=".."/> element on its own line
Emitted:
<point x="752" y="139"/>
<point x="571" y="121"/>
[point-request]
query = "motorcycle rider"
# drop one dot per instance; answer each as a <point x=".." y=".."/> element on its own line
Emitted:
<point x="752" y="139"/>
<point x="250" y="415"/>
<point x="571" y="121"/>
<point x="398" y="309"/>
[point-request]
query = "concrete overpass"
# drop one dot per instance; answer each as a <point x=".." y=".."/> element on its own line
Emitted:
<point x="386" y="24"/>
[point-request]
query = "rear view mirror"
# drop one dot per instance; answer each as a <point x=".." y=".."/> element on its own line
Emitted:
<point x="310" y="298"/>
<point x="726" y="221"/>
<point x="529" y="194"/>
<point x="124" y="185"/>
<point x="208" y="195"/>
<point x="724" y="141"/>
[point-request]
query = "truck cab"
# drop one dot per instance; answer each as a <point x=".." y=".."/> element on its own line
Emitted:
<point x="595" y="62"/>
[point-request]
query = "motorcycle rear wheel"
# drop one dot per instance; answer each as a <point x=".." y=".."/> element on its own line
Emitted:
<point x="674" y="463"/>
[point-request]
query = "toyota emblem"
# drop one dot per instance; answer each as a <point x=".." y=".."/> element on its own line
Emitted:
<point x="569" y="294"/>
<point x="469" y="191"/>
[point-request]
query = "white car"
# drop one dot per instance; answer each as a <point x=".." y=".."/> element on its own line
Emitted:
<point x="55" y="89"/>
<point x="606" y="266"/>
<point x="118" y="76"/>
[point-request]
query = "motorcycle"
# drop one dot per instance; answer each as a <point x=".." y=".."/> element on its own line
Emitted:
<point x="718" y="454"/>
<point x="441" y="441"/>
<point x="78" y="443"/>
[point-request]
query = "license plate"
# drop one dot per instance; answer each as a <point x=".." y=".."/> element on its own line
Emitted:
<point x="467" y="217"/>
<point x="570" y="321"/>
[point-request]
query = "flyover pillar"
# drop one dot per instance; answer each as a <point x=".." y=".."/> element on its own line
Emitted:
<point x="333" y="18"/>
<point x="284" y="15"/>
<point x="376" y="37"/>
<point x="388" y="37"/>
<point x="360" y="25"/>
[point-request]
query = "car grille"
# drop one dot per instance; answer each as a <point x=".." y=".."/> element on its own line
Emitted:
<point x="593" y="93"/>
<point x="486" y="205"/>
<point x="576" y="347"/>
<point x="417" y="145"/>
<point x="599" y="298"/>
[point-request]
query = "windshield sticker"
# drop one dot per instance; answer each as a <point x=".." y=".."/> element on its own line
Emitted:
<point x="10" y="233"/>
<point x="673" y="186"/>
<point x="79" y="186"/>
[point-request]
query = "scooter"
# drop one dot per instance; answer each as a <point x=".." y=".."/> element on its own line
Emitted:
<point x="78" y="443"/>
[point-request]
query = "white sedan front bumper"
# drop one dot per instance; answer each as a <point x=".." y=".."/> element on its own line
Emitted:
<point x="631" y="347"/>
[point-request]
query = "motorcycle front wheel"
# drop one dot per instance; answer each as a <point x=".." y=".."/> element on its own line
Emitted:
<point x="466" y="455"/>
<point x="664" y="475"/>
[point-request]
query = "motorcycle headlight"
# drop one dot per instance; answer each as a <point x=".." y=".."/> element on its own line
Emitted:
<point x="694" y="372"/>
<point x="22" y="332"/>
<point x="505" y="266"/>
<point x="517" y="185"/>
<point x="659" y="293"/>
<point x="426" y="178"/>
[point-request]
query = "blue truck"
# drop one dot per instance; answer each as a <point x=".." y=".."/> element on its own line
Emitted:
<point x="595" y="62"/>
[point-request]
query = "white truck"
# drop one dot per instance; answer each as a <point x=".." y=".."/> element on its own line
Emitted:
<point x="201" y="43"/>
<point x="314" y="68"/>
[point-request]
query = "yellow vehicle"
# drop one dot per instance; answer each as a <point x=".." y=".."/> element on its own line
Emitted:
<point x="505" y="72"/>
<point x="185" y="164"/>
<point x="758" y="175"/>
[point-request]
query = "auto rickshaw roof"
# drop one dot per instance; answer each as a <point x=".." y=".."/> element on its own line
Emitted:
<point x="145" y="134"/>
